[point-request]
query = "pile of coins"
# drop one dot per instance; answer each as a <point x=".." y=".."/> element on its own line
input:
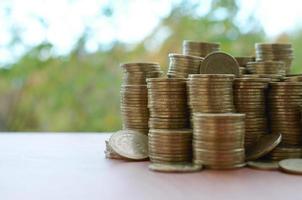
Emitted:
<point x="242" y="61"/>
<point x="267" y="67"/>
<point x="218" y="140"/>
<point x="249" y="98"/>
<point x="285" y="99"/>
<point x="134" y="95"/>
<point x="211" y="93"/>
<point x="183" y="65"/>
<point x="170" y="139"/>
<point x="200" y="49"/>
<point x="275" y="52"/>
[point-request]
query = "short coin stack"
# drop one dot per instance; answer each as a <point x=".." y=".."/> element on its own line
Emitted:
<point x="183" y="65"/>
<point x="218" y="140"/>
<point x="170" y="139"/>
<point x="249" y="98"/>
<point x="242" y="61"/>
<point x="200" y="49"/>
<point x="285" y="99"/>
<point x="281" y="153"/>
<point x="294" y="78"/>
<point x="211" y="93"/>
<point x="267" y="67"/>
<point x="276" y="52"/>
<point x="134" y="98"/>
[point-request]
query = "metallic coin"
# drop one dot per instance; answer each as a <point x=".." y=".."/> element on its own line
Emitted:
<point x="264" y="145"/>
<point x="293" y="166"/>
<point x="130" y="144"/>
<point x="263" y="165"/>
<point x="219" y="63"/>
<point x="175" y="167"/>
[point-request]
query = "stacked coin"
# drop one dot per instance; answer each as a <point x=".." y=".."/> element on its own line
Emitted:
<point x="267" y="67"/>
<point x="281" y="153"/>
<point x="272" y="77"/>
<point x="275" y="51"/>
<point x="167" y="102"/>
<point x="249" y="98"/>
<point x="294" y="77"/>
<point x="170" y="145"/>
<point x="211" y="93"/>
<point x="285" y="99"/>
<point x="183" y="65"/>
<point x="134" y="96"/>
<point x="218" y="140"/>
<point x="201" y="49"/>
<point x="242" y="61"/>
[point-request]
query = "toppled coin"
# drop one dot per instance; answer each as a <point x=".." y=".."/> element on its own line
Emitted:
<point x="130" y="144"/>
<point x="293" y="165"/>
<point x="264" y="145"/>
<point x="263" y="165"/>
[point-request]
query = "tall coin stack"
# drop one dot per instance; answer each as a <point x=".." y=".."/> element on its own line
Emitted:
<point x="285" y="99"/>
<point x="170" y="139"/>
<point x="183" y="65"/>
<point x="134" y="96"/>
<point x="276" y="52"/>
<point x="242" y="61"/>
<point x="218" y="140"/>
<point x="200" y="49"/>
<point x="249" y="98"/>
<point x="267" y="67"/>
<point x="211" y="93"/>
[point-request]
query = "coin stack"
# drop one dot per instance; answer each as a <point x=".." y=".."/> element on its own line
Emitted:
<point x="242" y="61"/>
<point x="275" y="52"/>
<point x="267" y="67"/>
<point x="200" y="49"/>
<point x="218" y="140"/>
<point x="170" y="139"/>
<point x="285" y="99"/>
<point x="170" y="145"/>
<point x="294" y="77"/>
<point x="134" y="96"/>
<point x="272" y="77"/>
<point x="211" y="93"/>
<point x="249" y="98"/>
<point x="183" y="65"/>
<point x="281" y="153"/>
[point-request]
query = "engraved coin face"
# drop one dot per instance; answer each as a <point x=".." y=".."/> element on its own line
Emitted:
<point x="219" y="63"/>
<point x="293" y="165"/>
<point x="174" y="167"/>
<point x="130" y="144"/>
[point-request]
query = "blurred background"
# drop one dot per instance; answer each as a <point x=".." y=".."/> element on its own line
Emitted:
<point x="59" y="59"/>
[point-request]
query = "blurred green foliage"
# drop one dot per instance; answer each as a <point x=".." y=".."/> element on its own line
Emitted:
<point x="80" y="92"/>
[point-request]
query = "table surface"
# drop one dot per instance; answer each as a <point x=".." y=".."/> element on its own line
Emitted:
<point x="63" y="166"/>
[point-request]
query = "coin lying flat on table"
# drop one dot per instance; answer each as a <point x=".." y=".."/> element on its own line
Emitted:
<point x="219" y="63"/>
<point x="293" y="166"/>
<point x="264" y="145"/>
<point x="175" y="167"/>
<point x="130" y="144"/>
<point x="263" y="164"/>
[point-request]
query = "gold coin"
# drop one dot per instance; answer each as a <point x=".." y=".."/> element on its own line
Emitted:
<point x="130" y="144"/>
<point x="263" y="146"/>
<point x="175" y="167"/>
<point x="293" y="166"/>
